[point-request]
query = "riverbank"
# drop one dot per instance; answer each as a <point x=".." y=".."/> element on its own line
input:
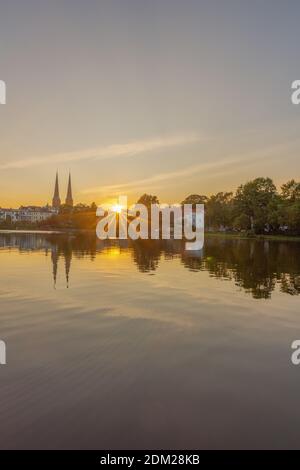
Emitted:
<point x="229" y="235"/>
<point x="243" y="236"/>
<point x="48" y="232"/>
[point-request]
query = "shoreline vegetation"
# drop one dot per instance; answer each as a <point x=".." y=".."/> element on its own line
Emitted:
<point x="256" y="210"/>
<point x="228" y="235"/>
<point x="245" y="236"/>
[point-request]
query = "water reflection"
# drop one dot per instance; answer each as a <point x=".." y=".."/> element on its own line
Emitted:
<point x="151" y="346"/>
<point x="254" y="266"/>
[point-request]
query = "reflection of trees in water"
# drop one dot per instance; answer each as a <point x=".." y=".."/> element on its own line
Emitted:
<point x="290" y="283"/>
<point x="147" y="253"/>
<point x="81" y="246"/>
<point x="255" y="266"/>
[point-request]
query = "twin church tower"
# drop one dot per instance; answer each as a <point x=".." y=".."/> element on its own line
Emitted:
<point x="56" y="202"/>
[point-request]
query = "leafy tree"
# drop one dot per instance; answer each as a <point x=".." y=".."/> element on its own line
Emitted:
<point x="258" y="200"/>
<point x="147" y="200"/>
<point x="290" y="191"/>
<point x="81" y="208"/>
<point x="219" y="210"/>
<point x="195" y="199"/>
<point x="289" y="208"/>
<point x="241" y="222"/>
<point x="65" y="209"/>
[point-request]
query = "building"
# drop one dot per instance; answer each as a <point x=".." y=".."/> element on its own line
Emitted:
<point x="56" y="201"/>
<point x="35" y="214"/>
<point x="32" y="214"/>
<point x="69" y="198"/>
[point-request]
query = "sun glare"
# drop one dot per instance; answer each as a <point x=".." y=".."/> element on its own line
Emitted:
<point x="117" y="208"/>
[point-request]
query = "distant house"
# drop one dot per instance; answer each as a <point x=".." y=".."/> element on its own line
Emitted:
<point x="30" y="214"/>
<point x="35" y="214"/>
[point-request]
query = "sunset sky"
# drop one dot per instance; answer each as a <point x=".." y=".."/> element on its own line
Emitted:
<point x="169" y="97"/>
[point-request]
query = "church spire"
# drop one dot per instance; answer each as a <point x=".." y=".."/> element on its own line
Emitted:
<point x="69" y="198"/>
<point x="56" y="198"/>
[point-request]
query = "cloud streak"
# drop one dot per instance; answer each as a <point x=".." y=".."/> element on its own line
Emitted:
<point x="209" y="169"/>
<point x="133" y="148"/>
<point x="160" y="178"/>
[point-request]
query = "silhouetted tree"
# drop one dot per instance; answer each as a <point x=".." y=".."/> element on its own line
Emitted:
<point x="258" y="200"/>
<point x="147" y="200"/>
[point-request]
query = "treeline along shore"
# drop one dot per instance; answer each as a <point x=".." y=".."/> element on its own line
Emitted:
<point x="257" y="208"/>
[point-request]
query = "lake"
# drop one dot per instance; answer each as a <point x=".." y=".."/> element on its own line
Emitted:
<point x="142" y="345"/>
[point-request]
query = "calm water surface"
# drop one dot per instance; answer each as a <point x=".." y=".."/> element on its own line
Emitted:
<point x="143" y="346"/>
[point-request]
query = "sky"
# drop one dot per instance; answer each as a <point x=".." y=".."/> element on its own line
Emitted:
<point x="168" y="97"/>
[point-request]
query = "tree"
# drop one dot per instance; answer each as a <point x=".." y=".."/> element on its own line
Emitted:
<point x="219" y="210"/>
<point x="65" y="209"/>
<point x="80" y="207"/>
<point x="195" y="199"/>
<point x="290" y="191"/>
<point x="289" y="212"/>
<point x="293" y="217"/>
<point x="258" y="200"/>
<point x="241" y="222"/>
<point x="147" y="200"/>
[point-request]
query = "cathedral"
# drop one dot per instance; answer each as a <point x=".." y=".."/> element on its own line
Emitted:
<point x="56" y="202"/>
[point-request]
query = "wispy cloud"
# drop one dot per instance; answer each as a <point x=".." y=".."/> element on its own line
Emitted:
<point x="132" y="148"/>
<point x="214" y="168"/>
<point x="159" y="179"/>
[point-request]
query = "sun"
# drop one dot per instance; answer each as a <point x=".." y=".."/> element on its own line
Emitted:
<point x="117" y="208"/>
